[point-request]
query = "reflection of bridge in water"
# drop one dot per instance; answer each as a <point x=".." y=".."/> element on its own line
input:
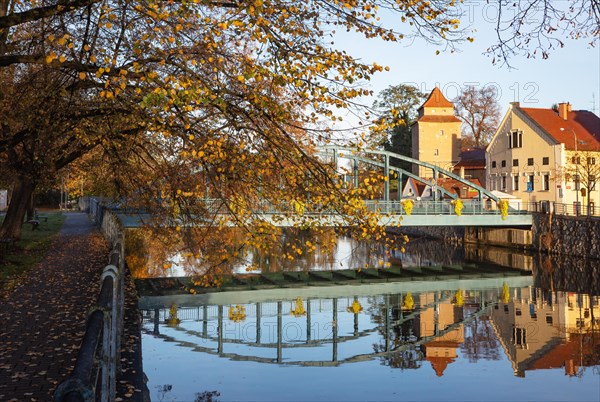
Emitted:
<point x="328" y="325"/>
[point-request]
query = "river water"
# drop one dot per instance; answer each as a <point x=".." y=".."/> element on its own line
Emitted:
<point x="527" y="337"/>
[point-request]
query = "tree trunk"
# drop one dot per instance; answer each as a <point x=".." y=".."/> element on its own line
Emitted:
<point x="30" y="208"/>
<point x="13" y="221"/>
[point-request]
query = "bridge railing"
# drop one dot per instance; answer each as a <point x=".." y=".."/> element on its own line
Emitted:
<point x="420" y="207"/>
<point x="470" y="207"/>
<point x="557" y="208"/>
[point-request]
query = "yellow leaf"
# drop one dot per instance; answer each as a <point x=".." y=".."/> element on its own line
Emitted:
<point x="82" y="75"/>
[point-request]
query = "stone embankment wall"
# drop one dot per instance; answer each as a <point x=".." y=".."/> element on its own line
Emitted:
<point x="550" y="234"/>
<point x="562" y="235"/>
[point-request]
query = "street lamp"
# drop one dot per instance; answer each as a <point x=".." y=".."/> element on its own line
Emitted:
<point x="576" y="171"/>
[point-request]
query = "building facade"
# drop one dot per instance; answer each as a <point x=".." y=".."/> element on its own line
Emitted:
<point x="547" y="155"/>
<point x="436" y="134"/>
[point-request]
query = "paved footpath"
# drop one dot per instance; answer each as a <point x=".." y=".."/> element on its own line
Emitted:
<point x="42" y="320"/>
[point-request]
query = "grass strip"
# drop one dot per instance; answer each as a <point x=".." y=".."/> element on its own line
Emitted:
<point x="17" y="260"/>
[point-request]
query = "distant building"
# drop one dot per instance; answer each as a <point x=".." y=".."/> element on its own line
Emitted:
<point x="472" y="165"/>
<point x="418" y="190"/>
<point x="436" y="134"/>
<point x="546" y="155"/>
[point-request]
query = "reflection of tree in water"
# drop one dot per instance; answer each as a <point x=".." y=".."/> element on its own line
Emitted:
<point x="480" y="341"/>
<point x="567" y="273"/>
<point x="402" y="335"/>
<point x="207" y="396"/>
<point x="163" y="390"/>
<point x="296" y="250"/>
<point x="423" y="251"/>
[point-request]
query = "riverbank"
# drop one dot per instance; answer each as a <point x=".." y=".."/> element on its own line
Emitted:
<point x="45" y="312"/>
<point x="550" y="234"/>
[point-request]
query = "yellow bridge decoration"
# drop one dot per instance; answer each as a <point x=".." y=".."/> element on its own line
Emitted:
<point x="355" y="307"/>
<point x="460" y="300"/>
<point x="237" y="313"/>
<point x="299" y="207"/>
<point x="298" y="310"/>
<point x="173" y="321"/>
<point x="409" y="303"/>
<point x="505" y="293"/>
<point x="503" y="205"/>
<point x="408" y="206"/>
<point x="458" y="206"/>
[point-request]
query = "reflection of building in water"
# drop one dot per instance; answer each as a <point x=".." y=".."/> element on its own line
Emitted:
<point x="541" y="330"/>
<point x="443" y="322"/>
<point x="506" y="257"/>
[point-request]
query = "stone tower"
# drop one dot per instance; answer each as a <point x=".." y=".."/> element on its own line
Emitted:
<point x="436" y="134"/>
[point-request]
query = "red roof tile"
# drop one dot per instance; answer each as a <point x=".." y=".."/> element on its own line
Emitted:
<point x="436" y="99"/>
<point x="585" y="125"/>
<point x="471" y="163"/>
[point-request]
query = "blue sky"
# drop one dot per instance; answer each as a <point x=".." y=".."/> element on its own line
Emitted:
<point x="570" y="74"/>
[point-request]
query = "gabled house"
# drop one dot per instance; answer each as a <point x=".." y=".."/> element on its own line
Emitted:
<point x="547" y="155"/>
<point x="417" y="190"/>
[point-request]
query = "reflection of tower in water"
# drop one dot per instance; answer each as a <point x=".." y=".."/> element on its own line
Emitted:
<point x="438" y="322"/>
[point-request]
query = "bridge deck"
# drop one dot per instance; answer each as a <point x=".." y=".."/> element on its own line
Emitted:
<point x="288" y="283"/>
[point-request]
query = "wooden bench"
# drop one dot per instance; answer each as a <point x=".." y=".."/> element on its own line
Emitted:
<point x="34" y="223"/>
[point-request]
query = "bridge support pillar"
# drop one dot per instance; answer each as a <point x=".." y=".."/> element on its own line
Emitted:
<point x="258" y="322"/>
<point x="220" y="329"/>
<point x="334" y="329"/>
<point x="386" y="178"/>
<point x="400" y="185"/>
<point x="279" y="332"/>
<point x="308" y="321"/>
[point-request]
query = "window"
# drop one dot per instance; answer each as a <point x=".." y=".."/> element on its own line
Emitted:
<point x="529" y="161"/>
<point x="436" y="152"/>
<point x="591" y="160"/>
<point x="576" y="160"/>
<point x="515" y="162"/>
<point x="576" y="181"/>
<point x="530" y="183"/>
<point x="549" y="319"/>
<point x="515" y="183"/>
<point x="545" y="160"/>
<point x="503" y="183"/>
<point x="591" y="178"/>
<point x="503" y="163"/>
<point x="493" y="164"/>
<point x="515" y="139"/>
<point x="546" y="182"/>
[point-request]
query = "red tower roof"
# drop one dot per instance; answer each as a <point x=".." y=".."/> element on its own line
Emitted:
<point x="437" y="99"/>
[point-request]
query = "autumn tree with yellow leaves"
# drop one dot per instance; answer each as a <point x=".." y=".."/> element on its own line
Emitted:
<point x="192" y="100"/>
<point x="208" y="97"/>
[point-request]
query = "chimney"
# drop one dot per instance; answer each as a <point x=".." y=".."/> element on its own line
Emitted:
<point x="563" y="110"/>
